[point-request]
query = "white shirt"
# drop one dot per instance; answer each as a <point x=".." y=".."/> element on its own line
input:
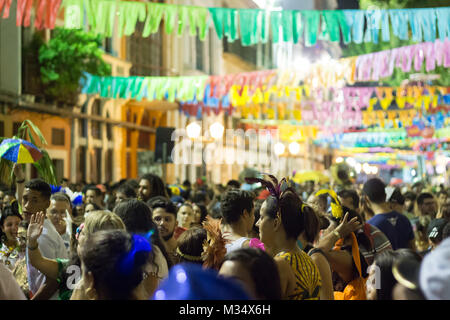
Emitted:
<point x="236" y="244"/>
<point x="159" y="267"/>
<point x="51" y="246"/>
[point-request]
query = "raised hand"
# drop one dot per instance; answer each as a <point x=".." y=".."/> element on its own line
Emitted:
<point x="18" y="172"/>
<point x="346" y="227"/>
<point x="35" y="228"/>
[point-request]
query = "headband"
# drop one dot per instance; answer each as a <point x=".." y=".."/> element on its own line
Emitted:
<point x="188" y="257"/>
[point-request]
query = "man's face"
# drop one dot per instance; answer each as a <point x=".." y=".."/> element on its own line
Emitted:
<point x="144" y="190"/>
<point x="165" y="221"/>
<point x="32" y="202"/>
<point x="120" y="196"/>
<point x="429" y="207"/>
<point x="57" y="212"/>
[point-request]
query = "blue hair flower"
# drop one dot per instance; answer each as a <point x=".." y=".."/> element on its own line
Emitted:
<point x="140" y="244"/>
<point x="78" y="200"/>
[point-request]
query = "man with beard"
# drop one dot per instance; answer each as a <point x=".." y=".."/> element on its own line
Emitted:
<point x="150" y="186"/>
<point x="427" y="205"/>
<point x="164" y="214"/>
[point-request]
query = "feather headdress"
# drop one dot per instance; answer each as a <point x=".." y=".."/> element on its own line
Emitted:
<point x="275" y="188"/>
<point x="214" y="249"/>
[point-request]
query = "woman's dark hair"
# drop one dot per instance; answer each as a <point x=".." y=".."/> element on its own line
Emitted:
<point x="101" y="254"/>
<point x="263" y="270"/>
<point x="137" y="217"/>
<point x="127" y="190"/>
<point x="385" y="261"/>
<point x="203" y="211"/>
<point x="350" y="194"/>
<point x="295" y="216"/>
<point x="8" y="211"/>
<point x="157" y="186"/>
<point x="233" y="204"/>
<point x="190" y="245"/>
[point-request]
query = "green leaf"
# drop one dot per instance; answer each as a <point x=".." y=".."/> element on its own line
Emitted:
<point x="37" y="131"/>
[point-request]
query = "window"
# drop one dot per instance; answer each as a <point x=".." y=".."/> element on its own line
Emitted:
<point x="96" y="126"/>
<point x="109" y="165"/>
<point x="83" y="122"/>
<point x="16" y="126"/>
<point x="144" y="137"/>
<point x="58" y="137"/>
<point x="2" y="129"/>
<point x="199" y="55"/>
<point x="98" y="164"/>
<point x="81" y="174"/>
<point x="145" y="53"/>
<point x="59" y="168"/>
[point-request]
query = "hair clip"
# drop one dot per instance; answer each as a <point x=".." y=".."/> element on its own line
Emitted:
<point x="77" y="234"/>
<point x="139" y="244"/>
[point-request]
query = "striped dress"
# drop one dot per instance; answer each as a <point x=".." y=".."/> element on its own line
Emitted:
<point x="308" y="281"/>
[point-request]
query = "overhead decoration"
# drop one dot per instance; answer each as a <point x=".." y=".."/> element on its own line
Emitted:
<point x="46" y="12"/>
<point x="152" y="88"/>
<point x="251" y="26"/>
<point x="378" y="65"/>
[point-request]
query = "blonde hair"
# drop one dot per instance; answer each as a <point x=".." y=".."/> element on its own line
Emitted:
<point x="102" y="220"/>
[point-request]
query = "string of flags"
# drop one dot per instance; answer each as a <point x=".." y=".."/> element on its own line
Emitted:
<point x="251" y="26"/>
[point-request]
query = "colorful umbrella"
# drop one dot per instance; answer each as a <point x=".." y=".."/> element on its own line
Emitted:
<point x="19" y="151"/>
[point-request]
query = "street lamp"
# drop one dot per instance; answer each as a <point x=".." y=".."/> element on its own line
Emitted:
<point x="216" y="130"/>
<point x="279" y="148"/>
<point x="294" y="148"/>
<point x="193" y="130"/>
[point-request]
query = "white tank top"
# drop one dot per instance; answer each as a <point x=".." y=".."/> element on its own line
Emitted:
<point x="236" y="244"/>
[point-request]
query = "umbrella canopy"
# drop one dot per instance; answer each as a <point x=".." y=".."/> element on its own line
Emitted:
<point x="19" y="151"/>
<point x="316" y="176"/>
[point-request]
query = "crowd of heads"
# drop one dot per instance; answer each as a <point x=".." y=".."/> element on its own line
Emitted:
<point x="131" y="239"/>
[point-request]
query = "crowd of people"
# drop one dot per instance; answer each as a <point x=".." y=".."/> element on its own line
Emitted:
<point x="260" y="239"/>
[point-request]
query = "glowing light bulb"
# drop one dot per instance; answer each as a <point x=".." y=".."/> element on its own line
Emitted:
<point x="279" y="148"/>
<point x="193" y="130"/>
<point x="216" y="130"/>
<point x="294" y="148"/>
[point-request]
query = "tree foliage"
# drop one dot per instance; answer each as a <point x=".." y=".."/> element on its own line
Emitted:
<point x="66" y="57"/>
